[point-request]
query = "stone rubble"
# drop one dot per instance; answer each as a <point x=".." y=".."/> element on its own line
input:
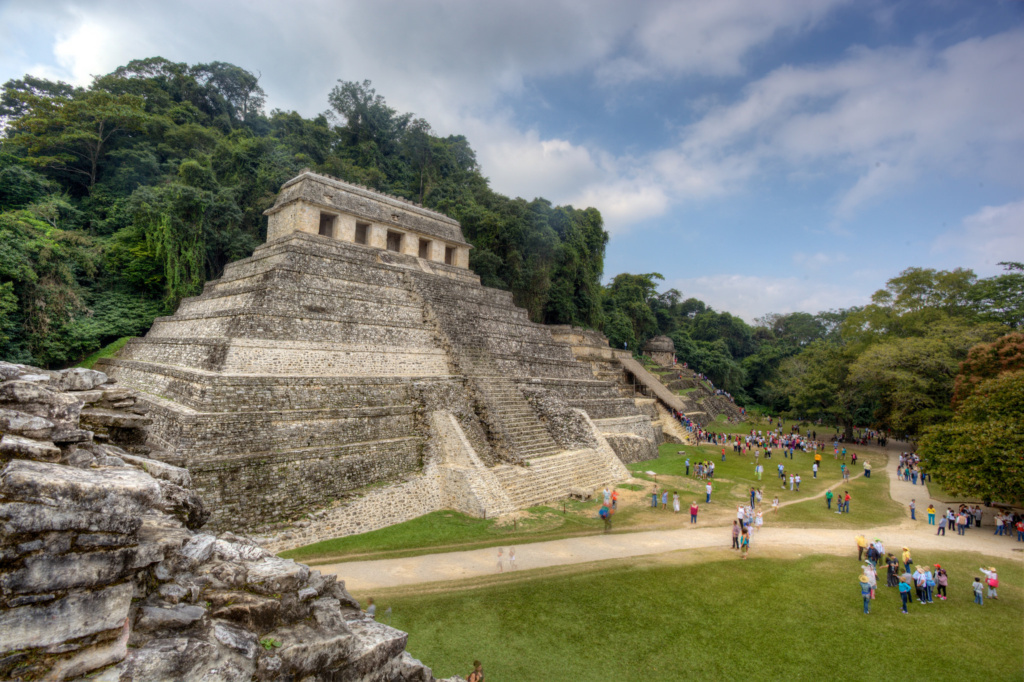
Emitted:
<point x="104" y="575"/>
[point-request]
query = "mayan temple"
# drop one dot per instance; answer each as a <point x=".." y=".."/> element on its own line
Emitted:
<point x="355" y="367"/>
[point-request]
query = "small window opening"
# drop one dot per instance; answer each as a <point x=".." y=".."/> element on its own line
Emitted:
<point x="361" y="230"/>
<point x="424" y="248"/>
<point x="327" y="225"/>
<point x="449" y="255"/>
<point x="394" y="241"/>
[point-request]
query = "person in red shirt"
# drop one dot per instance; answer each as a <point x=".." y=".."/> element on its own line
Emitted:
<point x="693" y="512"/>
<point x="846" y="501"/>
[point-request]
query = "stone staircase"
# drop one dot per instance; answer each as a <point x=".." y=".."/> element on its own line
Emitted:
<point x="510" y="417"/>
<point x="550" y="478"/>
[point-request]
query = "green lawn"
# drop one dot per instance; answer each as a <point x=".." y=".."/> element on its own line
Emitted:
<point x="725" y="619"/>
<point x="870" y="505"/>
<point x="454" y="530"/>
<point x="735" y="476"/>
<point x="107" y="351"/>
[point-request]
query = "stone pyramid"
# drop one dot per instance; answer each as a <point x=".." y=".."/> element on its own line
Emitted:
<point x="354" y="349"/>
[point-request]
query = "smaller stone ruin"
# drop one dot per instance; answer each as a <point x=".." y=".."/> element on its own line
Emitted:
<point x="661" y="349"/>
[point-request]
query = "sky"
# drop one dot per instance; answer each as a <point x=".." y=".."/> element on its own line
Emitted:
<point x="762" y="155"/>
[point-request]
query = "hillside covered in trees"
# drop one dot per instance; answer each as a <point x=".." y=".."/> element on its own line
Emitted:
<point x="119" y="199"/>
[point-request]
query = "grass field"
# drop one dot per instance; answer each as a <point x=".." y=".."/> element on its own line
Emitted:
<point x="451" y="530"/>
<point x="724" y="619"/>
<point x="107" y="351"/>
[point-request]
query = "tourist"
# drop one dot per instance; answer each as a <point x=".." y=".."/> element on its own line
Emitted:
<point x="687" y="466"/>
<point x="693" y="512"/>
<point x="501" y="552"/>
<point x="675" y="501"/>
<point x="814" y="470"/>
<point x="999" y="524"/>
<point x="828" y="498"/>
<point x="907" y="559"/>
<point x="913" y="507"/>
<point x="735" y="535"/>
<point x="654" y="498"/>
<point x="759" y="520"/>
<point x="862" y="543"/>
<point x="791" y="479"/>
<point x="941" y="581"/>
<point x="992" y="580"/>
<point x="942" y="526"/>
<point x="977" y="587"/>
<point x="891" y="571"/>
<point x="919" y="584"/>
<point x="371" y="608"/>
<point x="745" y="543"/>
<point x="478" y="673"/>
<point x="865" y="593"/>
<point x="977" y="516"/>
<point x="931" y="514"/>
<point x="606" y="515"/>
<point x="707" y="494"/>
<point x="615" y="499"/>
<point x="797" y="478"/>
<point x="664" y="499"/>
<point x="872" y="574"/>
<point x="846" y="501"/>
<point x="961" y="523"/>
<point x="904" y="595"/>
<point x="867" y="469"/>
<point x="775" y="504"/>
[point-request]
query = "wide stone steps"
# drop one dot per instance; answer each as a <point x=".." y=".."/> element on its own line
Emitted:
<point x="554" y="477"/>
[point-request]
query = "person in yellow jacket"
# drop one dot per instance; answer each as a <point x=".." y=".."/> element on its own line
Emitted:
<point x="907" y="559"/>
<point x="862" y="544"/>
<point x="931" y="514"/>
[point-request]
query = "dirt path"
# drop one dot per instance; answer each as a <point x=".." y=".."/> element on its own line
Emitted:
<point x="448" y="566"/>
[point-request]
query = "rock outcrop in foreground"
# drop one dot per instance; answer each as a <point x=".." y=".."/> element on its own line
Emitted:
<point x="103" y="572"/>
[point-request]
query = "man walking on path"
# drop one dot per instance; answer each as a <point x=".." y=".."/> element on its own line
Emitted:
<point x="913" y="507"/>
<point x="735" y="535"/>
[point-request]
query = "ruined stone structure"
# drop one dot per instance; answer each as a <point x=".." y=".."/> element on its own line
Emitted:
<point x="356" y="348"/>
<point x="103" y="577"/>
<point x="661" y="349"/>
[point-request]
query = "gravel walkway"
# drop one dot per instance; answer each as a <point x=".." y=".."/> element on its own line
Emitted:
<point x="367" y="575"/>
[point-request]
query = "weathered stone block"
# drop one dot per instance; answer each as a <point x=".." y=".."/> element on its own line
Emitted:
<point x="77" y="615"/>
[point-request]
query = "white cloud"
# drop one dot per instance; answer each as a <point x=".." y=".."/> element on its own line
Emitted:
<point x="983" y="239"/>
<point x="708" y="38"/>
<point x="751" y="296"/>
<point x="885" y="116"/>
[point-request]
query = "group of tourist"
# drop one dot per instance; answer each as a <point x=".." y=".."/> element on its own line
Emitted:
<point x="922" y="583"/>
<point x="910" y="470"/>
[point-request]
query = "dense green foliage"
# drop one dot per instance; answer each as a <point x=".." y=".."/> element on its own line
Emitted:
<point x="980" y="452"/>
<point x="890" y="365"/>
<point x="120" y="199"/>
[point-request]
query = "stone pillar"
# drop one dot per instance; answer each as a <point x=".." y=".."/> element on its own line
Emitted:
<point x="377" y="236"/>
<point x="461" y="257"/>
<point x="436" y="251"/>
<point x="345" y="228"/>
<point x="297" y="216"/>
<point x="410" y="244"/>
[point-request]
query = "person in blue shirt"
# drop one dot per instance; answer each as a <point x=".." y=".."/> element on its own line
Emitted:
<point x="904" y="594"/>
<point x="865" y="592"/>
